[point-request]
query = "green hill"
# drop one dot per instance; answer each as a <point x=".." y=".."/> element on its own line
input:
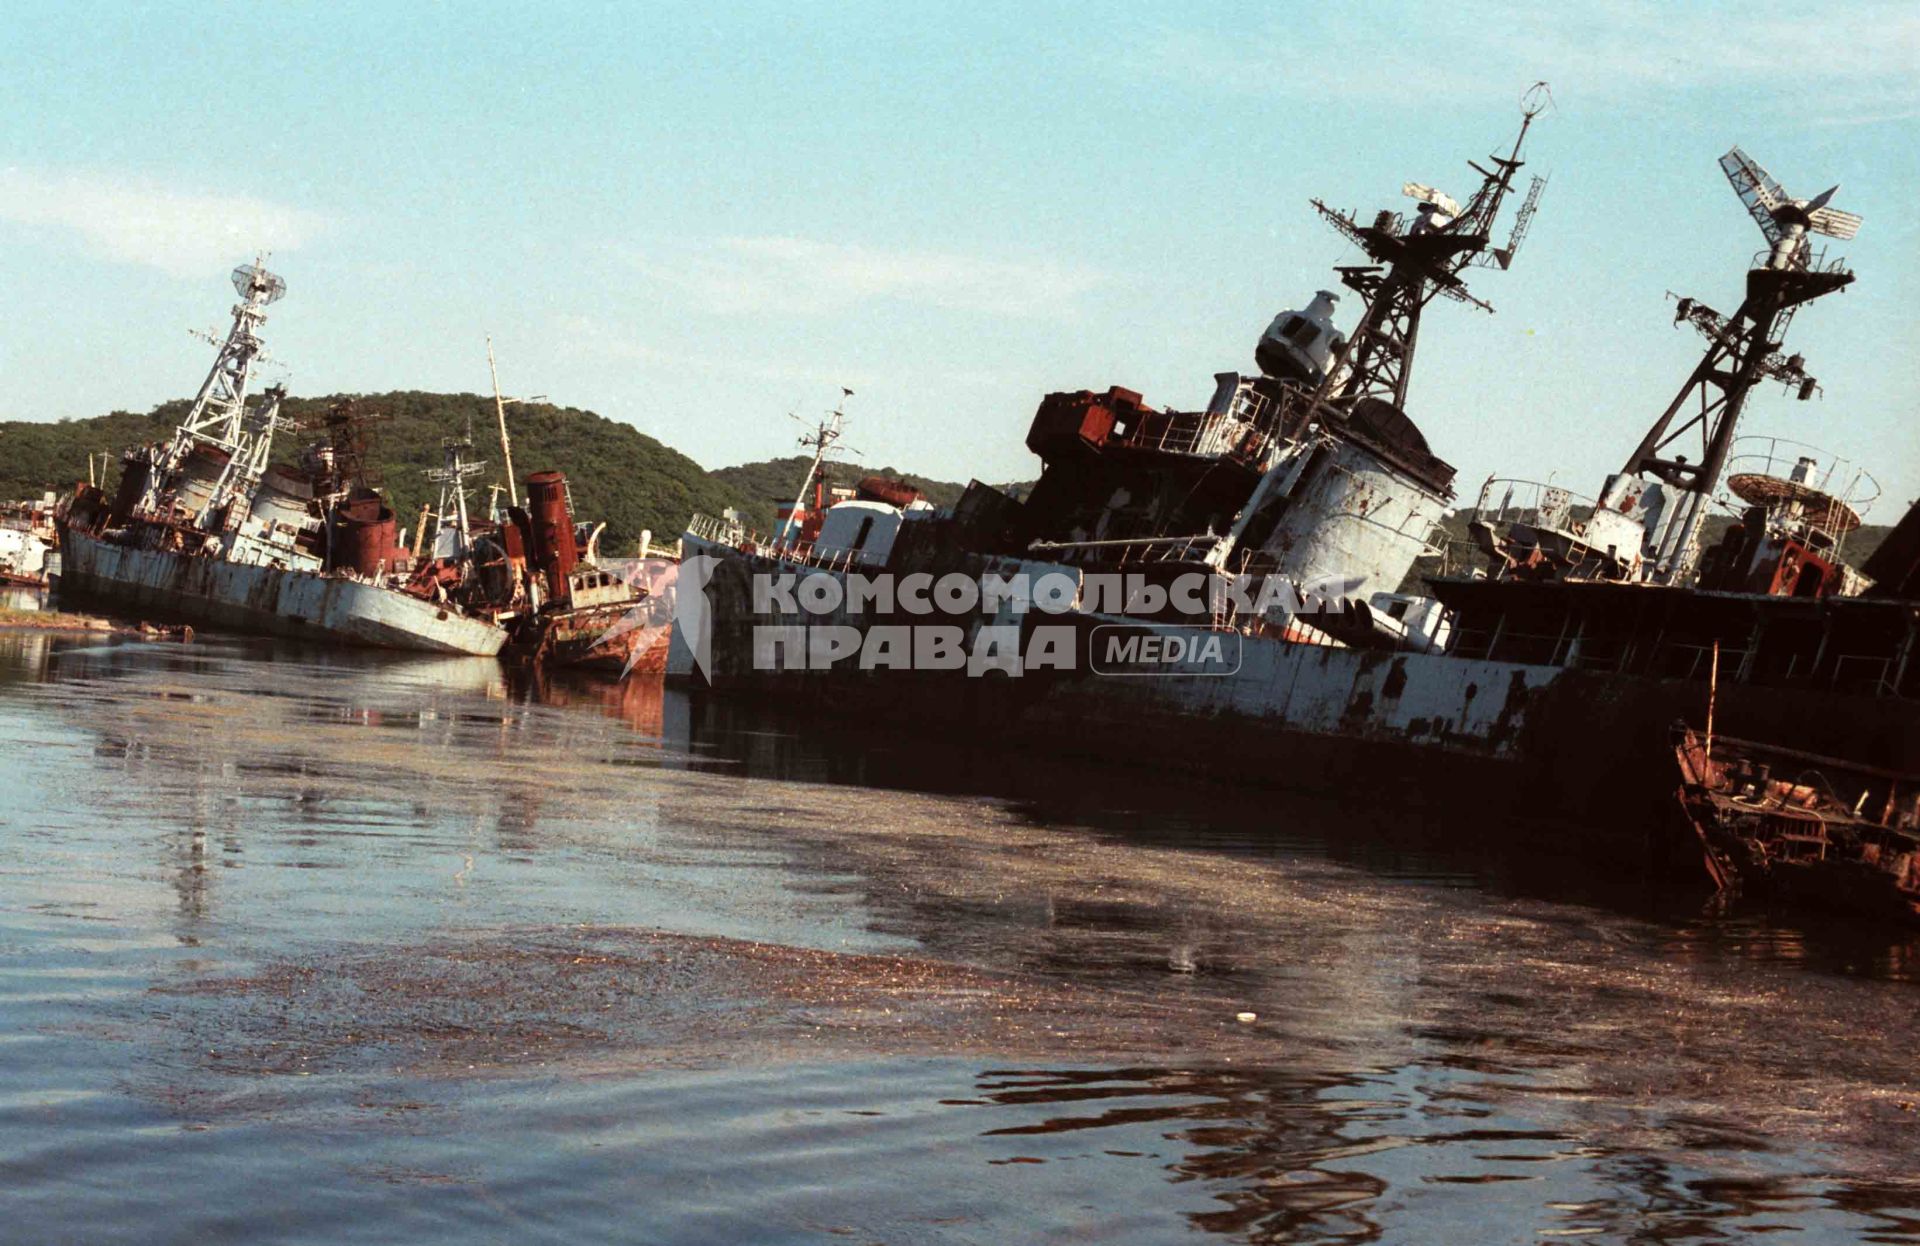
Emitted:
<point x="763" y="486"/>
<point x="618" y="474"/>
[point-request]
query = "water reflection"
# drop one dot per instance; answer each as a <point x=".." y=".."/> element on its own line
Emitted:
<point x="1437" y="1047"/>
<point x="1293" y="1157"/>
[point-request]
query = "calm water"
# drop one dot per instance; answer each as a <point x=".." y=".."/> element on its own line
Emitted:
<point x="310" y="947"/>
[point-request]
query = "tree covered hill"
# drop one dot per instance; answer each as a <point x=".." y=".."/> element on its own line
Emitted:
<point x="618" y="474"/>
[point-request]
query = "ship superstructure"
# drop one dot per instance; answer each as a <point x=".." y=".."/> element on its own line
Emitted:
<point x="1647" y="524"/>
<point x="1310" y="469"/>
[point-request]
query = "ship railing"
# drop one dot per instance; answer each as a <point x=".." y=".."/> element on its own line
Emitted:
<point x="1125" y="550"/>
<point x="1865" y="673"/>
<point x="1180" y="432"/>
<point x="748" y="541"/>
<point x="1536" y="503"/>
<point x="1806" y="260"/>
<point x="1240" y="428"/>
<point x="1448" y="556"/>
<point x="719" y="531"/>
<point x="1780" y="457"/>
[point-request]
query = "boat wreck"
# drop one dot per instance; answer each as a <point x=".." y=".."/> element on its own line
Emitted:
<point x="1808" y="829"/>
<point x="204" y="529"/>
<point x="29" y="555"/>
<point x="1539" y="667"/>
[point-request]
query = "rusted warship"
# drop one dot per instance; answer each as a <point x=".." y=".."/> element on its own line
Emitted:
<point x="204" y="528"/>
<point x="1542" y="678"/>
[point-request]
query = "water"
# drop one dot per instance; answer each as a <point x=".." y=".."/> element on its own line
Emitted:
<point x="316" y="947"/>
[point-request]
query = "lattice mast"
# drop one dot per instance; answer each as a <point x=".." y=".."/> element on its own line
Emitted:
<point x="820" y="440"/>
<point x="1742" y="350"/>
<point x="219" y="417"/>
<point x="456" y="468"/>
<point x="1413" y="264"/>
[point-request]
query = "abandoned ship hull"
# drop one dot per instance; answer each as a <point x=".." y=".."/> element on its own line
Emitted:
<point x="1585" y="753"/>
<point x="211" y="592"/>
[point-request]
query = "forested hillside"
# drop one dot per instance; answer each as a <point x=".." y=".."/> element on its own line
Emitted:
<point x="618" y="473"/>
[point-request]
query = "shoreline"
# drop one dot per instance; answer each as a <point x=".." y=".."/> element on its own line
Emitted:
<point x="72" y="621"/>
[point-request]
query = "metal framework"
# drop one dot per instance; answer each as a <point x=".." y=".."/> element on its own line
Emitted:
<point x="219" y="417"/>
<point x="1742" y="350"/>
<point x="1412" y="265"/>
<point x="452" y="476"/>
<point x="820" y="440"/>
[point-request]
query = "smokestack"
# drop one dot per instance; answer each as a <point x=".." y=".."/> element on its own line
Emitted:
<point x="553" y="549"/>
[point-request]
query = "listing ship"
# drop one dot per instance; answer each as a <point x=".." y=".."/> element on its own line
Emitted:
<point x="1545" y="681"/>
<point x="580" y="610"/>
<point x="203" y="528"/>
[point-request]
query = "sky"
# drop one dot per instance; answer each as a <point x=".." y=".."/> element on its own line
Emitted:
<point x="700" y="219"/>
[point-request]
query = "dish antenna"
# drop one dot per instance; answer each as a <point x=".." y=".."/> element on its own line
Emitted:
<point x="258" y="286"/>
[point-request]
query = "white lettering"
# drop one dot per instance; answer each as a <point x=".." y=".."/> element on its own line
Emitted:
<point x="1055" y="592"/>
<point x="913" y="593"/>
<point x="956" y="593"/>
<point x="939" y="648"/>
<point x="774" y="592"/>
<point x="995" y="649"/>
<point x="779" y="648"/>
<point x="827" y="644"/>
<point x="1051" y="647"/>
<point x="887" y="648"/>
<point x="821" y="593"/>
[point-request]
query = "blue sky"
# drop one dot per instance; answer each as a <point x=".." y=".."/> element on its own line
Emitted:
<point x="699" y="219"/>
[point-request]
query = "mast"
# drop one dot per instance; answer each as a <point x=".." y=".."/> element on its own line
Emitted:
<point x="820" y="439"/>
<point x="500" y="411"/>
<point x="1742" y="350"/>
<point x="452" y="475"/>
<point x="219" y="418"/>
<point x="500" y="405"/>
<point x="1411" y="265"/>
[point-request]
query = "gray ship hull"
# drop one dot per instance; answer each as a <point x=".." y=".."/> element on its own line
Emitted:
<point x="1587" y="752"/>
<point x="266" y="600"/>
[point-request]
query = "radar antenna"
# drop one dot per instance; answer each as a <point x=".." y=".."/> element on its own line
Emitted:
<point x="1412" y="263"/>
<point x="1742" y="350"/>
